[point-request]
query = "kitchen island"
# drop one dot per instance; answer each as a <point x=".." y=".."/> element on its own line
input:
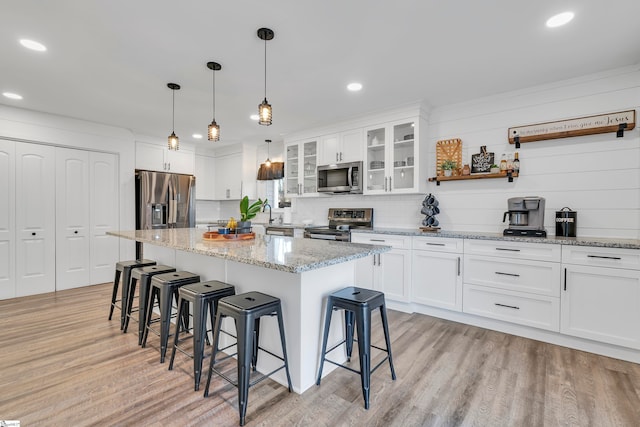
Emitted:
<point x="301" y="272"/>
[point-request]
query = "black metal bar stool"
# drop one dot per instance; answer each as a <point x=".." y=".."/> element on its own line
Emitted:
<point x="204" y="296"/>
<point x="359" y="302"/>
<point x="143" y="276"/>
<point x="245" y="309"/>
<point x="164" y="288"/>
<point x="124" y="268"/>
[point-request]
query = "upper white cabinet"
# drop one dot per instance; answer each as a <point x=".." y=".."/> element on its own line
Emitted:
<point x="343" y="147"/>
<point x="393" y="155"/>
<point x="301" y="161"/>
<point x="7" y="219"/>
<point x="205" y="169"/>
<point x="159" y="158"/>
<point x="235" y="173"/>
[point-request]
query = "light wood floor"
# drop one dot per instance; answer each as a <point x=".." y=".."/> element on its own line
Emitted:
<point x="62" y="363"/>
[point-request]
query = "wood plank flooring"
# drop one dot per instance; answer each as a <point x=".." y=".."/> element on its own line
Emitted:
<point x="62" y="363"/>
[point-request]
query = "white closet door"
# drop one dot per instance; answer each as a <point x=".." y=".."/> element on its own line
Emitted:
<point x="35" y="219"/>
<point x="72" y="218"/>
<point x="104" y="210"/>
<point x="7" y="220"/>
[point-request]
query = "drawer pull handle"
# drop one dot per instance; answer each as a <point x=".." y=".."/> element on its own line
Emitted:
<point x="507" y="274"/>
<point x="508" y="249"/>
<point x="377" y="240"/>
<point x="435" y="244"/>
<point x="507" y="306"/>
<point x="604" y="257"/>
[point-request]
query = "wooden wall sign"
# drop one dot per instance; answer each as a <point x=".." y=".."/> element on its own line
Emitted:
<point x="602" y="123"/>
<point x="482" y="161"/>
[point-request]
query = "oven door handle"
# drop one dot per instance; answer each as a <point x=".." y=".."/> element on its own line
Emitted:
<point x="322" y="236"/>
<point x="350" y="177"/>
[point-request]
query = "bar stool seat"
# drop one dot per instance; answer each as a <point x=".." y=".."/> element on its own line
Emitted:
<point x="164" y="288"/>
<point x="359" y="302"/>
<point x="246" y="309"/>
<point x="143" y="276"/>
<point x="123" y="268"/>
<point x="204" y="296"/>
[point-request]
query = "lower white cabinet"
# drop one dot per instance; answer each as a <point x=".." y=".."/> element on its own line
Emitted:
<point x="437" y="272"/>
<point x="389" y="272"/>
<point x="598" y="302"/>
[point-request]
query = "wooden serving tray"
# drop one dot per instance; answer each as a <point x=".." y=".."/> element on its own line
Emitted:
<point x="214" y="235"/>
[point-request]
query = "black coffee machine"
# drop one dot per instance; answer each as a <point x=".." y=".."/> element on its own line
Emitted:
<point x="526" y="217"/>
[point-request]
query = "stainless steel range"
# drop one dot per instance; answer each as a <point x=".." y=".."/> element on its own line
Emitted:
<point x="341" y="221"/>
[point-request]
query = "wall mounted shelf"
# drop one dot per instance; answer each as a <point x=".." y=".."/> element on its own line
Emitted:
<point x="509" y="176"/>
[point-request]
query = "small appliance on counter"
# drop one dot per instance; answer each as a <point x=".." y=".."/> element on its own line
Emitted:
<point x="526" y="217"/>
<point x="566" y="222"/>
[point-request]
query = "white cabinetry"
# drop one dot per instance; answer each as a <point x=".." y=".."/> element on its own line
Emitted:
<point x="392" y="161"/>
<point x="7" y="220"/>
<point x="601" y="294"/>
<point x="389" y="272"/>
<point x="205" y="171"/>
<point x="512" y="281"/>
<point x="158" y="158"/>
<point x="301" y="163"/>
<point x="235" y="173"/>
<point x="343" y="147"/>
<point x="437" y="272"/>
<point x="35" y="219"/>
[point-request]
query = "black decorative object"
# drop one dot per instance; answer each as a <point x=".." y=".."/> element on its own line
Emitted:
<point x="482" y="161"/>
<point x="430" y="209"/>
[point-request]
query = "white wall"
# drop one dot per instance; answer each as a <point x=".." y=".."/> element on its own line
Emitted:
<point x="597" y="175"/>
<point x="30" y="126"/>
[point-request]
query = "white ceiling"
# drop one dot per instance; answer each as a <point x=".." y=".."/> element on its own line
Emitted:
<point x="110" y="61"/>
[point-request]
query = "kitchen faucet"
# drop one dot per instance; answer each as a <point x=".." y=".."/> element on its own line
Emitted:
<point x="265" y="207"/>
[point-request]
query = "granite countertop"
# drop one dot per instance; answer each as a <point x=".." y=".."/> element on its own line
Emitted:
<point x="275" y="252"/>
<point x="575" y="241"/>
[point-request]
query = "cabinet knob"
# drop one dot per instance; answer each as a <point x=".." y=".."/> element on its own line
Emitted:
<point x="33" y="234"/>
<point x="75" y="232"/>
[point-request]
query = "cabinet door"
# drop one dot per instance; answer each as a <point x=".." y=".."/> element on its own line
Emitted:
<point x="402" y="157"/>
<point x="329" y="150"/>
<point x="104" y="209"/>
<point x="228" y="177"/>
<point x="35" y="219"/>
<point x="291" y="164"/>
<point x="72" y="219"/>
<point x="7" y="220"/>
<point x="351" y="144"/>
<point x="205" y="177"/>
<point x="365" y="268"/>
<point x="602" y="304"/>
<point x="376" y="180"/>
<point x="309" y="168"/>
<point x="437" y="279"/>
<point x="395" y="275"/>
<point x="181" y="161"/>
<point x="150" y="157"/>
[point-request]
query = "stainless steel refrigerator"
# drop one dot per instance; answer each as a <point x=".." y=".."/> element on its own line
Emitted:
<point x="165" y="200"/>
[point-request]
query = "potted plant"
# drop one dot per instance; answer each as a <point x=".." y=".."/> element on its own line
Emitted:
<point x="448" y="166"/>
<point x="494" y="169"/>
<point x="247" y="212"/>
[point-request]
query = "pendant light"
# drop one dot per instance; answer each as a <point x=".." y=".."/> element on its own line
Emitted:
<point x="267" y="162"/>
<point x="214" y="128"/>
<point x="264" y="109"/>
<point x="174" y="141"/>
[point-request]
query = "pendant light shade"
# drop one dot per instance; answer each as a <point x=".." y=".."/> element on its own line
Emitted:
<point x="264" y="109"/>
<point x="173" y="141"/>
<point x="214" y="129"/>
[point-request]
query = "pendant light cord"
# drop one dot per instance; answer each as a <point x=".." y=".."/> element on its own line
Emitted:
<point x="173" y="111"/>
<point x="214" y="94"/>
<point x="265" y="68"/>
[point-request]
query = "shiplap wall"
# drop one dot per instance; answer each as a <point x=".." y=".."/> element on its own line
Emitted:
<point x="597" y="175"/>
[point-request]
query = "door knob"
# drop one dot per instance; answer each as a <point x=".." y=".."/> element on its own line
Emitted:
<point x="75" y="232"/>
<point x="33" y="234"/>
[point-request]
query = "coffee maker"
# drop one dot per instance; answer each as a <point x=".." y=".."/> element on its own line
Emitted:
<point x="526" y="217"/>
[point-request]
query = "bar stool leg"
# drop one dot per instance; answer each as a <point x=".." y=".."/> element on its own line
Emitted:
<point x="284" y="348"/>
<point x="165" y="322"/>
<point x="142" y="306"/>
<point x="256" y="341"/>
<point x="199" y="333"/>
<point x="214" y="350"/>
<point x="325" y="335"/>
<point x="245" y="355"/>
<point x="348" y="331"/>
<point x="176" y="337"/>
<point x="387" y="339"/>
<point x="363" y="324"/>
<point x="126" y="278"/>
<point x="130" y="296"/>
<point x="148" y="314"/>
<point x="114" y="294"/>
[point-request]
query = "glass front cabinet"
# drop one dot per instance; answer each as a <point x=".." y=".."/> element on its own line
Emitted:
<point x="300" y="168"/>
<point x="392" y="154"/>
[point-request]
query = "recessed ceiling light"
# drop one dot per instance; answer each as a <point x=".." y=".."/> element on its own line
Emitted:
<point x="11" y="95"/>
<point x="559" y="19"/>
<point x="254" y="117"/>
<point x="33" y="45"/>
<point x="197" y="136"/>
<point x="354" y="87"/>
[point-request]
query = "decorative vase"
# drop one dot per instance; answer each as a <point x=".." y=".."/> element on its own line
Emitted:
<point x="243" y="227"/>
<point x="447" y="172"/>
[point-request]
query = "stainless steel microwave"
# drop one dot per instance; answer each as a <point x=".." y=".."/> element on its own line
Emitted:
<point x="340" y="178"/>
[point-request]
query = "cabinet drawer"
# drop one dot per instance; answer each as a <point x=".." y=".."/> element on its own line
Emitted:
<point x="518" y="250"/>
<point x="437" y="244"/>
<point x="601" y="257"/>
<point x="395" y="241"/>
<point x="537" y="277"/>
<point x="536" y="311"/>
